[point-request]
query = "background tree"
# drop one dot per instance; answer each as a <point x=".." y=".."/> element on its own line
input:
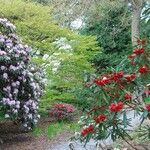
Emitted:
<point x="112" y="29"/>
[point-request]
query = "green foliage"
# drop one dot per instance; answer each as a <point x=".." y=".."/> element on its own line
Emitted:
<point x="33" y="22"/>
<point x="44" y="2"/>
<point x="2" y="114"/>
<point x="54" y="129"/>
<point x="145" y="22"/>
<point x="103" y="61"/>
<point x="118" y="93"/>
<point x="112" y="28"/>
<point x="37" y="28"/>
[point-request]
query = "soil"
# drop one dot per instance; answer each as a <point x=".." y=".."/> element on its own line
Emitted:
<point x="13" y="139"/>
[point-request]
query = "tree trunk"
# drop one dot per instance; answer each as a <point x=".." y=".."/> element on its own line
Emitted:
<point x="136" y="12"/>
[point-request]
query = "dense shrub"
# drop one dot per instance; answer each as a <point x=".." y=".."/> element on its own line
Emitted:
<point x="21" y="85"/>
<point x="62" y="111"/>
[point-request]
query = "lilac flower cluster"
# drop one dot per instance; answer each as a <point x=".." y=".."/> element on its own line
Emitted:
<point x="20" y="87"/>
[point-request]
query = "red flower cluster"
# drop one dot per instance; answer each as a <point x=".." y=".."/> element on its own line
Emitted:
<point x="100" y="118"/>
<point x="61" y="110"/>
<point x="127" y="96"/>
<point x="106" y="79"/>
<point x="116" y="107"/>
<point x="63" y="106"/>
<point x="87" y="130"/>
<point x="130" y="77"/>
<point x="117" y="75"/>
<point x="148" y="107"/>
<point x="143" y="69"/>
<point x="102" y="82"/>
<point x="139" y="51"/>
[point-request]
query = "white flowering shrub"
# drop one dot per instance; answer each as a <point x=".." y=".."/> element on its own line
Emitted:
<point x="20" y="83"/>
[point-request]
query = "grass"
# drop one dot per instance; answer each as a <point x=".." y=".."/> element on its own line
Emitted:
<point x="2" y="115"/>
<point x="55" y="128"/>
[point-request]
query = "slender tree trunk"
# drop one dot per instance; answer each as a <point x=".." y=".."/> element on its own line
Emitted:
<point x="135" y="30"/>
<point x="136" y="12"/>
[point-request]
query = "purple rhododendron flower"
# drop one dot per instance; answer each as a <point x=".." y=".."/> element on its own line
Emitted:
<point x="21" y="89"/>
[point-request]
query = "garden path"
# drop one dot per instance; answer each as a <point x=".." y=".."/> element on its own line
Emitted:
<point x="64" y="143"/>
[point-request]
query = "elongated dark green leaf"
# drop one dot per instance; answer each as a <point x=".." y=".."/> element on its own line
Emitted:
<point x="125" y="119"/>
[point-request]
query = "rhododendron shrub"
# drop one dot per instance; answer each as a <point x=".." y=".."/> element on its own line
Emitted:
<point x="119" y="91"/>
<point x="62" y="111"/>
<point x="20" y="83"/>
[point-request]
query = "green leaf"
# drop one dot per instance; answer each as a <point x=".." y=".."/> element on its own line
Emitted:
<point x="145" y="113"/>
<point x="125" y="119"/>
<point x="144" y="116"/>
<point x="147" y="100"/>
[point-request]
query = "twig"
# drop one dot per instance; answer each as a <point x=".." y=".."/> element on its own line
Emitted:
<point x="98" y="145"/>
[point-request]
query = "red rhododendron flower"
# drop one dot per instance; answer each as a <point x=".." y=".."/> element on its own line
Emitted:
<point x="139" y="51"/>
<point x="100" y="118"/>
<point x="102" y="82"/>
<point x="87" y="130"/>
<point x="127" y="96"/>
<point x="112" y="107"/>
<point x="143" y="69"/>
<point x="130" y="77"/>
<point x="116" y="107"/>
<point x="120" y="106"/>
<point x="148" y="107"/>
<point x="117" y="75"/>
